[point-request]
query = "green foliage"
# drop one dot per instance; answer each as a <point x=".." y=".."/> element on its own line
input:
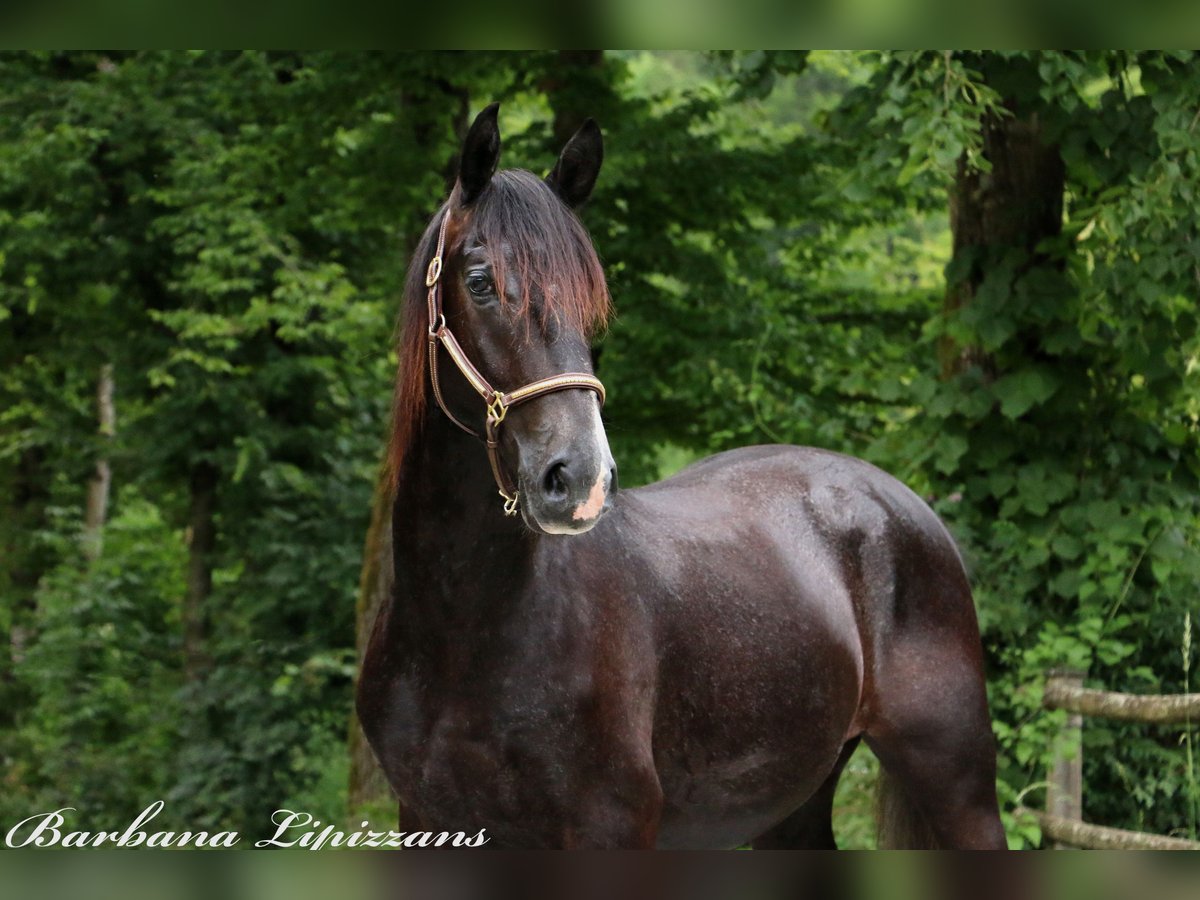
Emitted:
<point x="188" y="232"/>
<point x="102" y="676"/>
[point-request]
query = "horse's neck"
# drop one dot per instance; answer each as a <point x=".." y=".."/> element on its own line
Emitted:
<point x="457" y="556"/>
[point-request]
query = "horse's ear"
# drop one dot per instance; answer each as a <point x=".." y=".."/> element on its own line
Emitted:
<point x="480" y="154"/>
<point x="574" y="174"/>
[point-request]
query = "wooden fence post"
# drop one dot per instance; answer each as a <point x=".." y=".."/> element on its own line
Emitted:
<point x="1064" y="793"/>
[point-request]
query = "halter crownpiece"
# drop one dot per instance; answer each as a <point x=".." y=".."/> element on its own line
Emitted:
<point x="497" y="402"/>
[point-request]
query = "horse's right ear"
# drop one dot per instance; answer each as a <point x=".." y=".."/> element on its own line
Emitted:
<point x="480" y="154"/>
<point x="574" y="175"/>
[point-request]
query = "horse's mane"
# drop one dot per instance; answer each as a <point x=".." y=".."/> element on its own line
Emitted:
<point x="551" y="254"/>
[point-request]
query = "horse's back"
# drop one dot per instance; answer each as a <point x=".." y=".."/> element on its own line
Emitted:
<point x="786" y="473"/>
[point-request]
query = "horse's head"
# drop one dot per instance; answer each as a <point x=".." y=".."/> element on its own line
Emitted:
<point x="521" y="291"/>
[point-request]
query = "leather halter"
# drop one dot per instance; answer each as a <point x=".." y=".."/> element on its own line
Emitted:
<point x="497" y="402"/>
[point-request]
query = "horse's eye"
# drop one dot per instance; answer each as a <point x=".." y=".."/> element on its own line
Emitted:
<point x="479" y="284"/>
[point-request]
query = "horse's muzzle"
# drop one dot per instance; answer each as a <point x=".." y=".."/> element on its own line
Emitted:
<point x="570" y="496"/>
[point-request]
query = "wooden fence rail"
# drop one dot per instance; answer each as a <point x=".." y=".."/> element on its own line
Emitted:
<point x="1062" y="821"/>
<point x="1072" y="833"/>
<point x="1157" y="709"/>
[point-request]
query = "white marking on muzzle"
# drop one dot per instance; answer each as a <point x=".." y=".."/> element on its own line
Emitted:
<point x="591" y="507"/>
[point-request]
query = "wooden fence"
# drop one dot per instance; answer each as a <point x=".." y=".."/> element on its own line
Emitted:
<point x="1062" y="821"/>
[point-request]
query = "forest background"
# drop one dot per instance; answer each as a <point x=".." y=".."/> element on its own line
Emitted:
<point x="979" y="271"/>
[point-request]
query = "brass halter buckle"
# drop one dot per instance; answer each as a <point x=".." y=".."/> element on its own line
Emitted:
<point x="496" y="409"/>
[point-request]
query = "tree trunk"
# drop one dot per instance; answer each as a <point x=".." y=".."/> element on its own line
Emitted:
<point x="428" y="118"/>
<point x="1015" y="206"/>
<point x="201" y="542"/>
<point x="578" y="86"/>
<point x="24" y="496"/>
<point x="98" y="488"/>
<point x="571" y="89"/>
<point x="368" y="786"/>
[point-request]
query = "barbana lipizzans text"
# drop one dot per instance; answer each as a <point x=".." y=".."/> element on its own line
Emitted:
<point x="292" y="829"/>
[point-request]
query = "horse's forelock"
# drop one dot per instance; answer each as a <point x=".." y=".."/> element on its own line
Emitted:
<point x="550" y="250"/>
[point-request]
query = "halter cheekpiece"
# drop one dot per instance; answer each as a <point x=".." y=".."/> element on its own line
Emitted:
<point x="497" y="402"/>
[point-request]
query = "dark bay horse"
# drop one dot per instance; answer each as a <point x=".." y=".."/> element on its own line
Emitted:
<point x="687" y="664"/>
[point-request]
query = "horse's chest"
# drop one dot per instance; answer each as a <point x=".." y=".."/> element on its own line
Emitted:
<point x="465" y="759"/>
<point x="458" y="767"/>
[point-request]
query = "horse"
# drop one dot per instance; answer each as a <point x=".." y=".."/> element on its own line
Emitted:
<point x="687" y="664"/>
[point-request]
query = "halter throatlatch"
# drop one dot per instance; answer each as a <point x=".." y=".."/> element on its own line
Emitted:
<point x="498" y="403"/>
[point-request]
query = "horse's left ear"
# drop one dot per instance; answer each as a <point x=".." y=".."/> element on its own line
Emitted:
<point x="574" y="174"/>
<point x="480" y="153"/>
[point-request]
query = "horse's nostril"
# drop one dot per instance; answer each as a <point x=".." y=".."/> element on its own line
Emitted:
<point x="612" y="480"/>
<point x="555" y="481"/>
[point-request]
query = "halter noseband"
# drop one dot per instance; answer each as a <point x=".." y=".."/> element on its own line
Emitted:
<point x="497" y="402"/>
